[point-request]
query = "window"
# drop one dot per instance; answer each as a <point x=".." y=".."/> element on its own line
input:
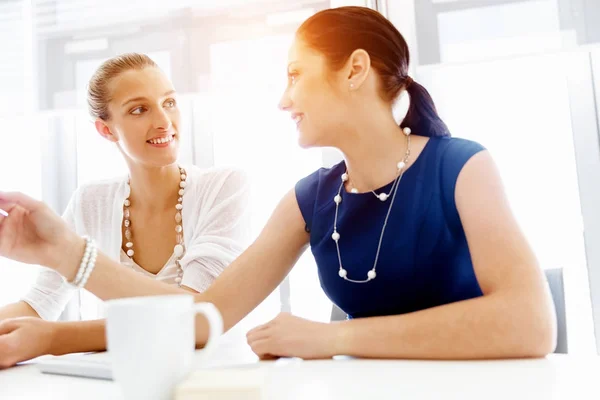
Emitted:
<point x="21" y="171"/>
<point x="228" y="101"/>
<point x="264" y="141"/>
<point x="513" y="76"/>
<point x="526" y="125"/>
<point x="459" y="31"/>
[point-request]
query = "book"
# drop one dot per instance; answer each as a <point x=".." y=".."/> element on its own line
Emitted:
<point x="231" y="383"/>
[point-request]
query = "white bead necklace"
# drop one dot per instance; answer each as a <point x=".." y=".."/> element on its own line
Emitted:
<point x="382" y="197"/>
<point x="179" y="248"/>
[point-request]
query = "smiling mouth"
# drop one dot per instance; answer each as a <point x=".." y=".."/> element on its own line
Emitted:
<point x="297" y="118"/>
<point x="162" y="140"/>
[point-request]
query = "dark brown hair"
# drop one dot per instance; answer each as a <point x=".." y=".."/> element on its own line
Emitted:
<point x="338" y="32"/>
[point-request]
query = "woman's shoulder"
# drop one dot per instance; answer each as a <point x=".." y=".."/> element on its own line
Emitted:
<point x="452" y="148"/>
<point x="208" y="187"/>
<point x="316" y="188"/>
<point x="453" y="154"/>
<point x="98" y="192"/>
<point x="214" y="173"/>
<point x="323" y="175"/>
<point x="446" y="156"/>
<point x="216" y="177"/>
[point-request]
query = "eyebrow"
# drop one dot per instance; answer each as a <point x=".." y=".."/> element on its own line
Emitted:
<point x="170" y="92"/>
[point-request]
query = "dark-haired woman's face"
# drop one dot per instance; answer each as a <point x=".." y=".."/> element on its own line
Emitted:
<point x="314" y="97"/>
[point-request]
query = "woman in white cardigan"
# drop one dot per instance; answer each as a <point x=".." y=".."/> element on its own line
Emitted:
<point x="179" y="225"/>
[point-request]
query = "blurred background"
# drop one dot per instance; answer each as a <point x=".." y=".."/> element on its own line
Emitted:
<point x="522" y="77"/>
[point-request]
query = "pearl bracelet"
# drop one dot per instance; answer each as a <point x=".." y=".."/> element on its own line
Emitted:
<point x="88" y="262"/>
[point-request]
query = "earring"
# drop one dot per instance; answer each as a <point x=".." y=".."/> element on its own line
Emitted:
<point x="407" y="131"/>
<point x="352" y="86"/>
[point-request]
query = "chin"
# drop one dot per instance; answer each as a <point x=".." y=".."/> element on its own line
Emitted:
<point x="168" y="157"/>
<point x="164" y="161"/>
<point x="303" y="145"/>
<point x="307" y="141"/>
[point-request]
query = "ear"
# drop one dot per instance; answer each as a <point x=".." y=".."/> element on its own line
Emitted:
<point x="358" y="67"/>
<point x="104" y="131"/>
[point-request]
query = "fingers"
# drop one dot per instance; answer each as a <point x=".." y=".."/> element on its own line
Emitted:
<point x="263" y="343"/>
<point x="258" y="332"/>
<point x="8" y="344"/>
<point x="265" y="340"/>
<point x="272" y="323"/>
<point x="6" y="208"/>
<point x="267" y="357"/>
<point x="8" y="351"/>
<point x="258" y="339"/>
<point x="261" y="349"/>
<point x="8" y="200"/>
<point x="8" y="325"/>
<point x="265" y="350"/>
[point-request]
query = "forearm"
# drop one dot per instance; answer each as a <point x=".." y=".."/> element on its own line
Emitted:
<point x="77" y="337"/>
<point x="16" y="310"/>
<point x="239" y="289"/>
<point x="109" y="279"/>
<point x="501" y="325"/>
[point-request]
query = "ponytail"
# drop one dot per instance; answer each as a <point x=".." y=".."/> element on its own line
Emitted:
<point x="337" y="32"/>
<point x="422" y="117"/>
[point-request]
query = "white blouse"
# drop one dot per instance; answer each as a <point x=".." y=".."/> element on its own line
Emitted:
<point x="215" y="225"/>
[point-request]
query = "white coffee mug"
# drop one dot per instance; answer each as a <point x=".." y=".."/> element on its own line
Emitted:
<point x="151" y="342"/>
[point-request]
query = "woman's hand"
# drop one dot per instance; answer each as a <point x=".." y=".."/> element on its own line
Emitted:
<point x="22" y="339"/>
<point x="290" y="336"/>
<point x="33" y="234"/>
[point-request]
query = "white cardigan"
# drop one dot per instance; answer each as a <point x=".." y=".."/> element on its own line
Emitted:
<point x="215" y="226"/>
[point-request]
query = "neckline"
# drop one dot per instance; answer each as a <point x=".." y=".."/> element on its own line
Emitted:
<point x="410" y="168"/>
<point x="133" y="263"/>
<point x="120" y="214"/>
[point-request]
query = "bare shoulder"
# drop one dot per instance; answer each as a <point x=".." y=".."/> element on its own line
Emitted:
<point x="286" y="224"/>
<point x="479" y="174"/>
<point x="501" y="254"/>
<point x="480" y="192"/>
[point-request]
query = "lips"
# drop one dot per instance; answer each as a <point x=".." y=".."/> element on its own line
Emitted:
<point x="297" y="117"/>
<point x="164" y="139"/>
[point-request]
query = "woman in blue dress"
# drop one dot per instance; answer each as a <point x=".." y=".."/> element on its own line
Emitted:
<point x="412" y="233"/>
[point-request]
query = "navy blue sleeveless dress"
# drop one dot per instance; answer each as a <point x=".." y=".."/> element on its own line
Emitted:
<point x="424" y="259"/>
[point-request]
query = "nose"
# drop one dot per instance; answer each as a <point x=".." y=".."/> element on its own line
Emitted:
<point x="161" y="120"/>
<point x="285" y="103"/>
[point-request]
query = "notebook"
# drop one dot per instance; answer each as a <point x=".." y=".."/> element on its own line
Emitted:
<point x="98" y="366"/>
<point x="91" y="365"/>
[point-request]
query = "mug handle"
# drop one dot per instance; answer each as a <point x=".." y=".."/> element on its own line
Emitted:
<point x="215" y="322"/>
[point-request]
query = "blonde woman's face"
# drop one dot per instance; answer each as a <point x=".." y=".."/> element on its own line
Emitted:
<point x="144" y="117"/>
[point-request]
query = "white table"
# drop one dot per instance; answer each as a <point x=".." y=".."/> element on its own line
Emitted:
<point x="555" y="377"/>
